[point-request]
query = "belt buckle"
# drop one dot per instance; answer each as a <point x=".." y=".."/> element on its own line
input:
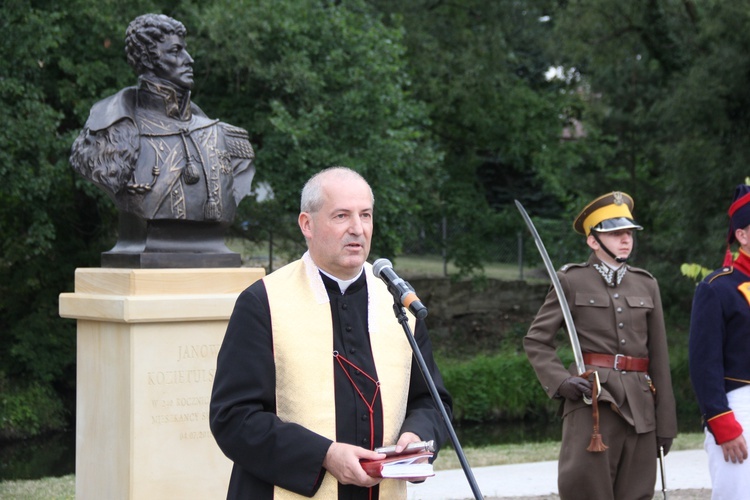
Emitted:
<point x="618" y="357"/>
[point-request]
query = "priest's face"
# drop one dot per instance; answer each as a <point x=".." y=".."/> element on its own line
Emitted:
<point x="339" y="233"/>
<point x="173" y="63"/>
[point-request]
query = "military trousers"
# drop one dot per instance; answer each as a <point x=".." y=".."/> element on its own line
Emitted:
<point x="626" y="470"/>
<point x="730" y="481"/>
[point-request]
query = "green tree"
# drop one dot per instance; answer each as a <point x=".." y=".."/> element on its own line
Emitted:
<point x="481" y="68"/>
<point x="705" y="143"/>
<point x="316" y="84"/>
<point x="319" y="84"/>
<point x="654" y="125"/>
<point x="51" y="70"/>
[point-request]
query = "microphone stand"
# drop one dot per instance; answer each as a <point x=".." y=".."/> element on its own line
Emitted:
<point x="400" y="313"/>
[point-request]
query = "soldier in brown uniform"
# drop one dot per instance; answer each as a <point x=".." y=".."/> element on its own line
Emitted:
<point x="618" y="316"/>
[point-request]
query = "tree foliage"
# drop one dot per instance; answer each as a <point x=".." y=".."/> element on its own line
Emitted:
<point x="50" y="221"/>
<point x="480" y="67"/>
<point x="449" y="109"/>
<point x="320" y="84"/>
<point x="316" y="84"/>
<point x="663" y="86"/>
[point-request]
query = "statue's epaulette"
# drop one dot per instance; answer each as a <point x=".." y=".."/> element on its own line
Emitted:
<point x="640" y="271"/>
<point x="568" y="267"/>
<point x="724" y="271"/>
<point x="238" y="142"/>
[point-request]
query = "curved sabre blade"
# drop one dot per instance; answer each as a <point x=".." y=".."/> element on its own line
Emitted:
<point x="558" y="290"/>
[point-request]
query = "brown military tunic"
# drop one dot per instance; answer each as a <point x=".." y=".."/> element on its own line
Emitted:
<point x="614" y="312"/>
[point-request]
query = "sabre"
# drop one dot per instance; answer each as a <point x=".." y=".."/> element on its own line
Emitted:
<point x="663" y="475"/>
<point x="575" y="345"/>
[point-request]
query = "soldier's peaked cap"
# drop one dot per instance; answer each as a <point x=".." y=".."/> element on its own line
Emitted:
<point x="610" y="212"/>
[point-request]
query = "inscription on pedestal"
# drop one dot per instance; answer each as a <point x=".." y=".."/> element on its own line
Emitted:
<point x="188" y="392"/>
<point x="173" y="378"/>
<point x="180" y="392"/>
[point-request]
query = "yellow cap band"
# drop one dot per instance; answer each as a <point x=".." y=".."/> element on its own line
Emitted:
<point x="606" y="212"/>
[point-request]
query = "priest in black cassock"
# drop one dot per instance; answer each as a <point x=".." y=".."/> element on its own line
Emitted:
<point x="315" y="372"/>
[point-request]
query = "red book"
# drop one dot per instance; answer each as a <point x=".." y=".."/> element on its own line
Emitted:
<point x="408" y="466"/>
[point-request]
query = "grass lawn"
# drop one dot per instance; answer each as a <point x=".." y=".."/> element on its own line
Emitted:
<point x="63" y="488"/>
<point x="504" y="454"/>
<point x="427" y="266"/>
<point x="432" y="266"/>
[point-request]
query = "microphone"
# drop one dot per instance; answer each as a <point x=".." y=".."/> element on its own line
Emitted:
<point x="401" y="290"/>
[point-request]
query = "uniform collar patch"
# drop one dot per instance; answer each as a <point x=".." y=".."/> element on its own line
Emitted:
<point x="612" y="277"/>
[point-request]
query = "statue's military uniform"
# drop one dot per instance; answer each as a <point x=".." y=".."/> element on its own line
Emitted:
<point x="178" y="164"/>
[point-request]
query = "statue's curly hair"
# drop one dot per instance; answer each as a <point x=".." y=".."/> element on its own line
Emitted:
<point x="142" y="34"/>
<point x="107" y="157"/>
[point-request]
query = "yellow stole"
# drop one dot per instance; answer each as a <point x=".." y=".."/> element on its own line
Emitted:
<point x="303" y="356"/>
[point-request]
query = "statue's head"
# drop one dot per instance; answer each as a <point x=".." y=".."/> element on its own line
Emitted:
<point x="155" y="45"/>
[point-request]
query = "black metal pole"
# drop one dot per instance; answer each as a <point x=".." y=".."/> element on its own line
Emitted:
<point x="401" y="316"/>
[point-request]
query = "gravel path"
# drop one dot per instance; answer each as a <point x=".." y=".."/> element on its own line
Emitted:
<point x="701" y="494"/>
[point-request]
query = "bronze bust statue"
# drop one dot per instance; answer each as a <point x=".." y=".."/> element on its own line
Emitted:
<point x="175" y="175"/>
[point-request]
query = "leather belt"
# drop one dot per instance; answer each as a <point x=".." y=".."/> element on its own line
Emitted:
<point x="616" y="362"/>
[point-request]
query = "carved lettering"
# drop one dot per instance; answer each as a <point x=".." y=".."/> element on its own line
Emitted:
<point x="194" y="435"/>
<point x="181" y="377"/>
<point x="194" y="401"/>
<point x="177" y="418"/>
<point x="203" y="351"/>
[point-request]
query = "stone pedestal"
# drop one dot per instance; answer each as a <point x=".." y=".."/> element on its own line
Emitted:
<point x="147" y="344"/>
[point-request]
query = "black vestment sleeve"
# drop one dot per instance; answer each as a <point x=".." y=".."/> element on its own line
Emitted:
<point x="265" y="450"/>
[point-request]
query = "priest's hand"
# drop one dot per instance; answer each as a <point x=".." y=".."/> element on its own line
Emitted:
<point x="405" y="439"/>
<point x="342" y="461"/>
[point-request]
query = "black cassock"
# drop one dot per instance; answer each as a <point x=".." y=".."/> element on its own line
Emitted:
<point x="268" y="452"/>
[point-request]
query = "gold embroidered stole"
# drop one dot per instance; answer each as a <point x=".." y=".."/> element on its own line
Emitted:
<point x="303" y="356"/>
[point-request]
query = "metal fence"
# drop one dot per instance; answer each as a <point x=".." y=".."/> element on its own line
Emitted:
<point x="509" y="247"/>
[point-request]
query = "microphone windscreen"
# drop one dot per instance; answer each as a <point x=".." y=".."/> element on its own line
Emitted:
<point x="379" y="265"/>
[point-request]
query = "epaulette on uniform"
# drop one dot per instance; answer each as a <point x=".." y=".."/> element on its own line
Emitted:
<point x="724" y="271"/>
<point x="238" y="142"/>
<point x="568" y="267"/>
<point x="640" y="271"/>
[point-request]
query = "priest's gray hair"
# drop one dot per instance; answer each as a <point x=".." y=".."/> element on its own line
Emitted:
<point x="312" y="194"/>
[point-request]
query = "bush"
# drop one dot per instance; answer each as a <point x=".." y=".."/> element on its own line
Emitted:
<point x="499" y="387"/>
<point x="688" y="413"/>
<point x="29" y="411"/>
<point x="504" y="387"/>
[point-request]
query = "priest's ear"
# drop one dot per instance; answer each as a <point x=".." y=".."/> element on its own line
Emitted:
<point x="306" y="223"/>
